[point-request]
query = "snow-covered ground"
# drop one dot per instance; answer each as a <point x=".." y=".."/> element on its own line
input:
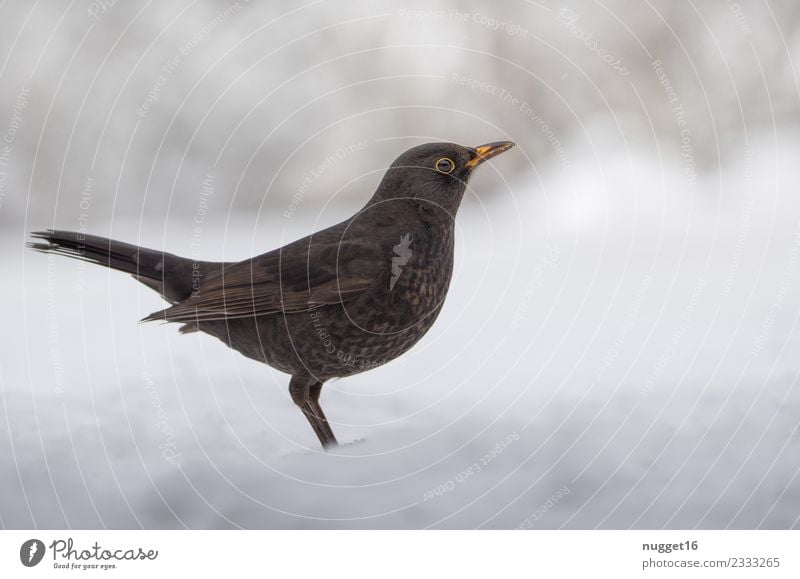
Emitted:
<point x="615" y="352"/>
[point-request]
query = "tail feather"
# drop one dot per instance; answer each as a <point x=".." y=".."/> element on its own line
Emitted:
<point x="100" y="250"/>
<point x="171" y="276"/>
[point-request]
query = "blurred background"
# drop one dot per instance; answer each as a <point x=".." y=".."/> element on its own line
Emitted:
<point x="631" y="267"/>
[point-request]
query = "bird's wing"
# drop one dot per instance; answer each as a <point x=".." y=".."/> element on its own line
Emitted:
<point x="299" y="277"/>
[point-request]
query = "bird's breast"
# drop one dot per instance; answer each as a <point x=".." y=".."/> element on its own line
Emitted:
<point x="414" y="288"/>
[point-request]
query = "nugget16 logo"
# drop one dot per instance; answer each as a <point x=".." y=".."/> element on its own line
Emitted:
<point x="31" y="552"/>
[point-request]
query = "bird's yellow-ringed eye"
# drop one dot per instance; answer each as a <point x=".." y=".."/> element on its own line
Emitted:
<point x="445" y="165"/>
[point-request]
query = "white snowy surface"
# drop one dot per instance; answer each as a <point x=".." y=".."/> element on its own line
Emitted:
<point x="634" y="344"/>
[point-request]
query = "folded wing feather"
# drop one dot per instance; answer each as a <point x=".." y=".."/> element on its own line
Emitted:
<point x="299" y="277"/>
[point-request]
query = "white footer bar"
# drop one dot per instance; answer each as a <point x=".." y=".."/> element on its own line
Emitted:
<point x="406" y="554"/>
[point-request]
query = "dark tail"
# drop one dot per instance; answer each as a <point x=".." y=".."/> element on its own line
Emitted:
<point x="172" y="276"/>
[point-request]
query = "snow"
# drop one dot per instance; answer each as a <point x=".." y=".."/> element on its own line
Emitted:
<point x="613" y="354"/>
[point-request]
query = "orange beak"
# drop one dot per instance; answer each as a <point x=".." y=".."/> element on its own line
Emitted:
<point x="487" y="151"/>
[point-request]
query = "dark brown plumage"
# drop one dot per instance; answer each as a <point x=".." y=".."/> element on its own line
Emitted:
<point x="338" y="302"/>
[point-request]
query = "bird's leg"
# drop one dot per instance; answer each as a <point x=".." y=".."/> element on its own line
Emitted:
<point x="313" y="399"/>
<point x="301" y="388"/>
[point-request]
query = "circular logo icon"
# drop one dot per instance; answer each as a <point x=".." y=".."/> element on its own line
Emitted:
<point x="31" y="552"/>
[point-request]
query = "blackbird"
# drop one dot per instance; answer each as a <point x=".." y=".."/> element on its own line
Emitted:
<point x="338" y="302"/>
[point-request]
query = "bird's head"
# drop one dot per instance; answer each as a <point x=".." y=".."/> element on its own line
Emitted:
<point x="434" y="176"/>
